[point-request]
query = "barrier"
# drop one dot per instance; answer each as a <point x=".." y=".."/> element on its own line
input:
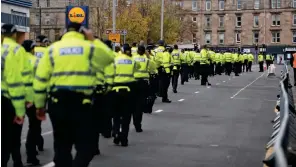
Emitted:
<point x="271" y="70"/>
<point x="283" y="139"/>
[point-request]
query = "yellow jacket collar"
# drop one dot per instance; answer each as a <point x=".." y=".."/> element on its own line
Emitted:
<point x="8" y="40"/>
<point x="73" y="34"/>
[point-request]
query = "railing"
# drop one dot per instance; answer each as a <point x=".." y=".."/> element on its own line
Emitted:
<point x="284" y="135"/>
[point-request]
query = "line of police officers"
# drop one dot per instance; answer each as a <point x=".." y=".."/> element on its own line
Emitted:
<point x="87" y="89"/>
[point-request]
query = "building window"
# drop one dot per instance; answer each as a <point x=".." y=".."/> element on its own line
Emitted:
<point x="221" y="38"/>
<point x="256" y="21"/>
<point x="193" y="38"/>
<point x="47" y="3"/>
<point x="207" y="38"/>
<point x="255" y="37"/>
<point x="221" y="21"/>
<point x="294" y="3"/>
<point x="294" y="19"/>
<point x="221" y="4"/>
<point x="194" y="19"/>
<point x="256" y="4"/>
<point x="208" y="21"/>
<point x="275" y="4"/>
<point x="208" y="5"/>
<point x="276" y="20"/>
<point x="238" y="21"/>
<point x="276" y="38"/>
<point x="294" y="37"/>
<point x="239" y="4"/>
<point x="194" y="5"/>
<point x="37" y="3"/>
<point x="238" y="37"/>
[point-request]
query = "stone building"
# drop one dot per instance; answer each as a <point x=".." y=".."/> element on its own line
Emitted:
<point x="240" y="23"/>
<point x="53" y="16"/>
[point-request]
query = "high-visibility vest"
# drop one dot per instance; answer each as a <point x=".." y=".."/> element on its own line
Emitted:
<point x="294" y="60"/>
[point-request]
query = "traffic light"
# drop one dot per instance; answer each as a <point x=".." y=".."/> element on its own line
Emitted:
<point x="256" y="46"/>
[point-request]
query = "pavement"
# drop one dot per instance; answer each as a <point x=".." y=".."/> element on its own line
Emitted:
<point x="225" y="125"/>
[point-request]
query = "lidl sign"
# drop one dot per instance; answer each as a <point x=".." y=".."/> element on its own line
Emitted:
<point x="78" y="14"/>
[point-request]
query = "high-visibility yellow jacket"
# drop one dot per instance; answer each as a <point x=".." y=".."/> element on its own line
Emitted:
<point x="218" y="58"/>
<point x="39" y="51"/>
<point x="228" y="57"/>
<point x="204" y="57"/>
<point x="158" y="58"/>
<point x="70" y="64"/>
<point x="12" y="82"/>
<point x="134" y="51"/>
<point x="146" y="67"/>
<point x="250" y="57"/>
<point x="197" y="57"/>
<point x="176" y="57"/>
<point x="260" y="58"/>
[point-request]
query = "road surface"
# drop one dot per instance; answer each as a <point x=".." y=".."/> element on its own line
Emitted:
<point x="225" y="125"/>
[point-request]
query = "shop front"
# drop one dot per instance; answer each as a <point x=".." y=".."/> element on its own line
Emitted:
<point x="278" y="52"/>
<point x="289" y="51"/>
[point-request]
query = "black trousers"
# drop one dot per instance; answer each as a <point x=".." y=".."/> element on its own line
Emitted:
<point x="122" y="109"/>
<point x="164" y="84"/>
<point x="245" y="65"/>
<point x="141" y="103"/>
<point x="34" y="137"/>
<point x="153" y="85"/>
<point x="212" y="68"/>
<point x="184" y="73"/>
<point x="218" y="69"/>
<point x="261" y="66"/>
<point x="228" y="68"/>
<point x="204" y="71"/>
<point x="10" y="135"/>
<point x="72" y="123"/>
<point x="175" y="77"/>
<point x="249" y="66"/>
<point x="197" y="70"/>
<point x="191" y="71"/>
<point x="236" y="68"/>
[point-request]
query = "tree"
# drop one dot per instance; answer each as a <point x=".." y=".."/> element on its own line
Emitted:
<point x="132" y="21"/>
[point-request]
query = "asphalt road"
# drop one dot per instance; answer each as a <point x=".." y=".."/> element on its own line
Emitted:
<point x="225" y="125"/>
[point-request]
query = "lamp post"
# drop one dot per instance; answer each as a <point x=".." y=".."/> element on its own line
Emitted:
<point x="162" y="13"/>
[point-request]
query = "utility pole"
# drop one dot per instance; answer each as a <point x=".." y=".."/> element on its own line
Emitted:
<point x="40" y="20"/>
<point x="161" y="26"/>
<point x="114" y="20"/>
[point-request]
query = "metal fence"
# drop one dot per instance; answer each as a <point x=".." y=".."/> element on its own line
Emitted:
<point x="284" y="136"/>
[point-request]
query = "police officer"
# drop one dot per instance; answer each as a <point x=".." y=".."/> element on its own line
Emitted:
<point x="218" y="65"/>
<point x="204" y="66"/>
<point x="196" y="65"/>
<point x="235" y="59"/>
<point x="228" y="62"/>
<point x="153" y="82"/>
<point x="268" y="60"/>
<point x="41" y="44"/>
<point x="184" y="66"/>
<point x="134" y="49"/>
<point x="176" y="68"/>
<point x="69" y="69"/>
<point x="142" y="79"/>
<point x="250" y="61"/>
<point x="163" y="57"/>
<point x="123" y="94"/>
<point x="245" y="65"/>
<point x="34" y="132"/>
<point x="261" y="61"/>
<point x="13" y="94"/>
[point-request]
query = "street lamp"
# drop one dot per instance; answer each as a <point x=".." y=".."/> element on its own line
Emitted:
<point x="161" y="26"/>
<point x="114" y="20"/>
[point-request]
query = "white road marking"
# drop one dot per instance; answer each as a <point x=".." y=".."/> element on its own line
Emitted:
<point x="196" y="92"/>
<point x="208" y="86"/>
<point x="214" y="145"/>
<point x="157" y="111"/>
<point x="51" y="164"/>
<point x="224" y="81"/>
<point x="181" y="100"/>
<point x="245" y="98"/>
<point x="217" y="83"/>
<point x="246" y="86"/>
<point x="43" y="134"/>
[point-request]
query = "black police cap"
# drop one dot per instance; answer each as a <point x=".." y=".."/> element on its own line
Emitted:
<point x="126" y="47"/>
<point x="8" y="29"/>
<point x="73" y="26"/>
<point x="42" y="39"/>
<point x="141" y="48"/>
<point x="108" y="43"/>
<point x="28" y="45"/>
